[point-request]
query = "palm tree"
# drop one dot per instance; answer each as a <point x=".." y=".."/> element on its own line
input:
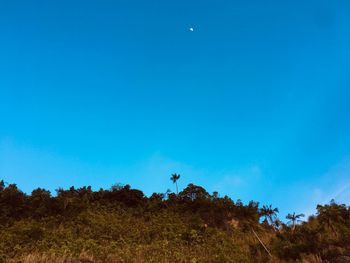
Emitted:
<point x="2" y="185"/>
<point x="269" y="213"/>
<point x="174" y="177"/>
<point x="294" y="219"/>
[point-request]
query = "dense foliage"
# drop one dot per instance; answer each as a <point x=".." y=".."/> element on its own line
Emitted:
<point x="123" y="225"/>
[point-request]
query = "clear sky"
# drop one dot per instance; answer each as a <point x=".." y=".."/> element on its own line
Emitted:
<point x="253" y="103"/>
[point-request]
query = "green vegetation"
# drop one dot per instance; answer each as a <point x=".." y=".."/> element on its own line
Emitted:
<point x="122" y="225"/>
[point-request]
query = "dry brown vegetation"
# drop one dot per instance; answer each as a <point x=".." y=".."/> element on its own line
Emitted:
<point x="122" y="225"/>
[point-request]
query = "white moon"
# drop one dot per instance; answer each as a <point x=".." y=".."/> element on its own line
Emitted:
<point x="191" y="29"/>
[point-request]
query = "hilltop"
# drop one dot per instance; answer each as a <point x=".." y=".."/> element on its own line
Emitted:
<point x="121" y="224"/>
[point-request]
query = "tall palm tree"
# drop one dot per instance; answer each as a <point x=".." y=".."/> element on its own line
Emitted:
<point x="294" y="219"/>
<point x="174" y="177"/>
<point x="269" y="213"/>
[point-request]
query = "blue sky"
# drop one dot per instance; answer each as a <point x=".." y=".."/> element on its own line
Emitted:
<point x="254" y="103"/>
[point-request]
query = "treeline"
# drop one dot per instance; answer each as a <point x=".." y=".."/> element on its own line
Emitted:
<point x="123" y="225"/>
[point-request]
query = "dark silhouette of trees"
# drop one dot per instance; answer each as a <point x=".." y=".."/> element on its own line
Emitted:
<point x="12" y="202"/>
<point x="248" y="212"/>
<point x="174" y="178"/>
<point x="332" y="215"/>
<point x="2" y="185"/>
<point x="294" y="219"/>
<point x="269" y="213"/>
<point x="40" y="203"/>
<point x="193" y="192"/>
<point x="176" y="226"/>
<point x="125" y="195"/>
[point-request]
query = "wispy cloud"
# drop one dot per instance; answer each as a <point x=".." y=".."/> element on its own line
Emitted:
<point x="338" y="182"/>
<point x="238" y="181"/>
<point x="333" y="184"/>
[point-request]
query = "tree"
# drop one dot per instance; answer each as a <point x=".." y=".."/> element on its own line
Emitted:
<point x="332" y="215"/>
<point x="269" y="213"/>
<point x="194" y="192"/>
<point x="40" y="202"/>
<point x="2" y="185"/>
<point x="12" y="201"/>
<point x="294" y="219"/>
<point x="174" y="177"/>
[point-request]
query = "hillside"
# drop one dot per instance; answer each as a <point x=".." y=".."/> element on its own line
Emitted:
<point x="123" y="225"/>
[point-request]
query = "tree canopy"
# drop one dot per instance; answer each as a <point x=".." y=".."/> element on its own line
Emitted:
<point x="121" y="224"/>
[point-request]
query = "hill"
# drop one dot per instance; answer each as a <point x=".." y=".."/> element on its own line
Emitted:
<point x="123" y="225"/>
